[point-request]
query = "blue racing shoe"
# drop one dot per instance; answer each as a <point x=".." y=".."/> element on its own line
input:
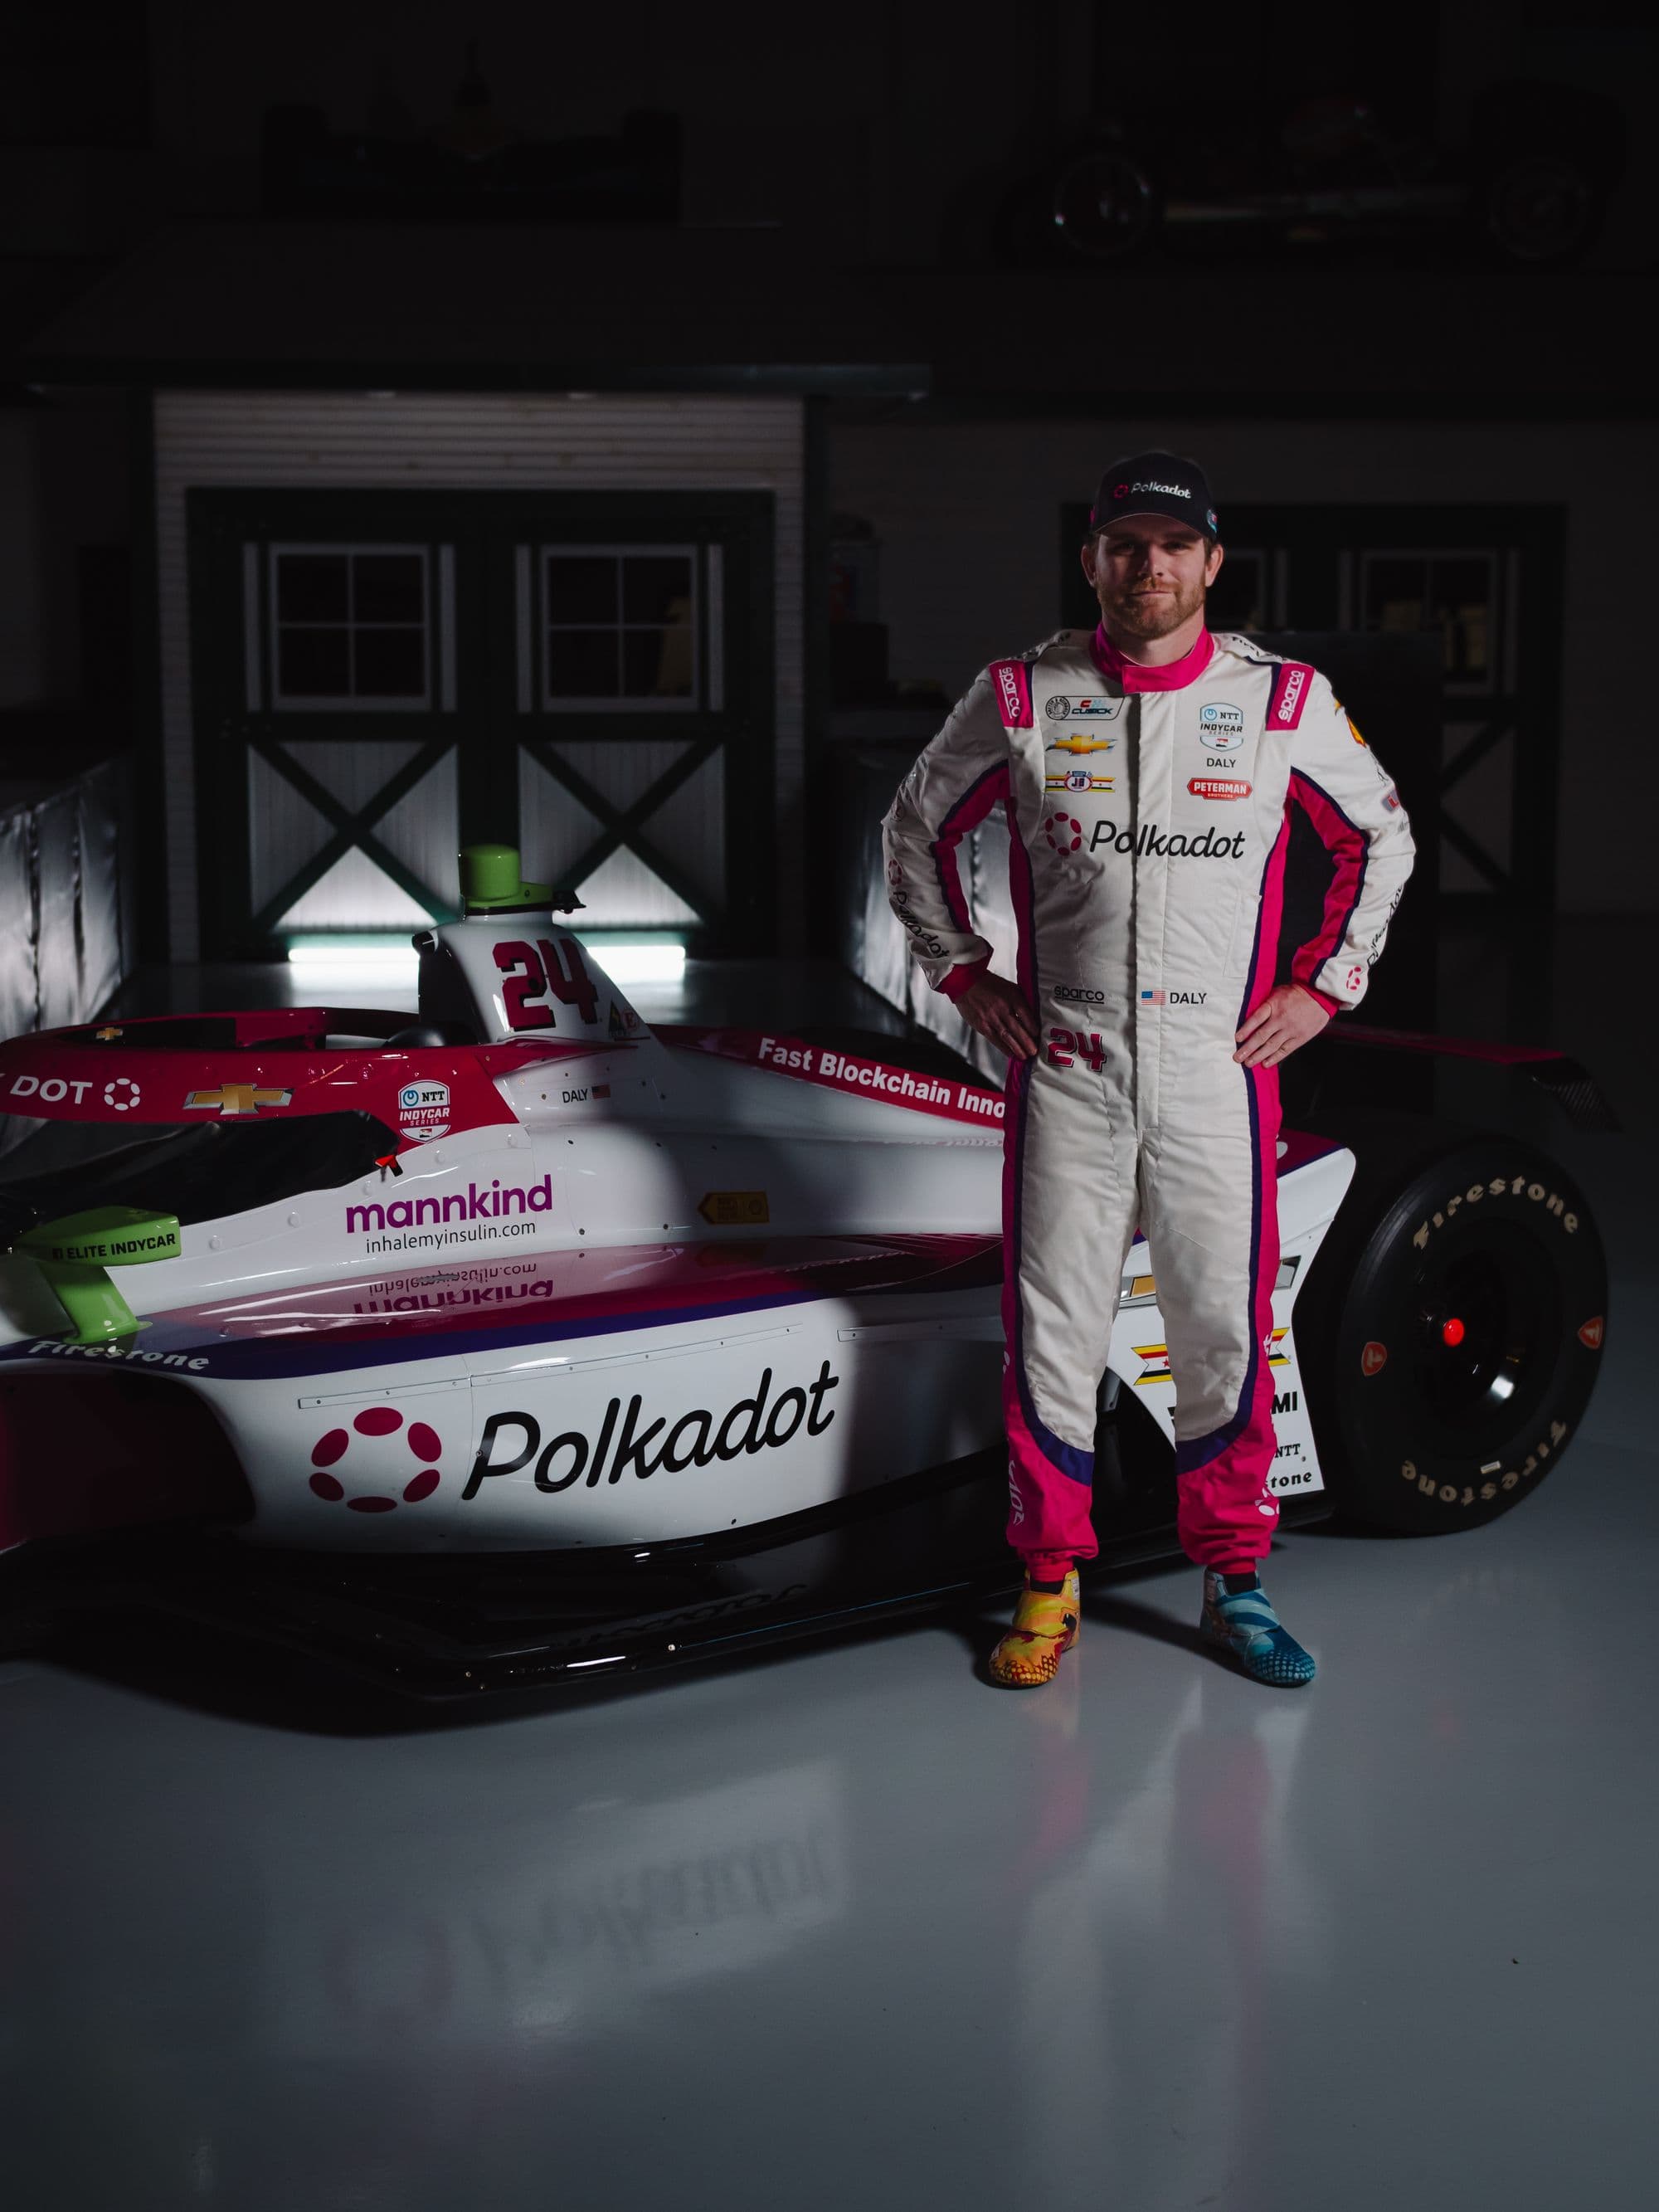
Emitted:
<point x="1244" y="1623"/>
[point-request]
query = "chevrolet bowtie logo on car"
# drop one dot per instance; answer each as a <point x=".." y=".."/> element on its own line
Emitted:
<point x="235" y="1098"/>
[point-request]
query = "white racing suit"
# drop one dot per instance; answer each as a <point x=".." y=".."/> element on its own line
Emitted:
<point x="1149" y="818"/>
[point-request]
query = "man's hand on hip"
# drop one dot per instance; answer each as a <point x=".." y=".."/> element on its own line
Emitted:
<point x="997" y="1009"/>
<point x="1286" y="1017"/>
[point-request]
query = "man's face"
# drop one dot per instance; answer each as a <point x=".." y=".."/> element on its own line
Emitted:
<point x="1150" y="574"/>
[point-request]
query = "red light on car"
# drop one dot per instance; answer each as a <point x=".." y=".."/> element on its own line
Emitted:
<point x="1451" y="1332"/>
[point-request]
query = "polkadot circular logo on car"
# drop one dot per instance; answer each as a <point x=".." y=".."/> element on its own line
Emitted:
<point x="375" y="1452"/>
<point x="1064" y="832"/>
<point x="122" y="1093"/>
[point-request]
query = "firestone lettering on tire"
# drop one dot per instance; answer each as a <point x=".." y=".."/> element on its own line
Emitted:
<point x="1550" y="1202"/>
<point x="1466" y="1494"/>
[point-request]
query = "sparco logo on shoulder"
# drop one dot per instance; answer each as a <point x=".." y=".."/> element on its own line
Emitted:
<point x="1293" y="692"/>
<point x="1013" y="706"/>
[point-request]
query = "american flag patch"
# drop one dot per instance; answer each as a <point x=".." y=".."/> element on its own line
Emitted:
<point x="1151" y="998"/>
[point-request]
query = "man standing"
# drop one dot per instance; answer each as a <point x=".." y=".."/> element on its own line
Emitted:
<point x="1147" y="772"/>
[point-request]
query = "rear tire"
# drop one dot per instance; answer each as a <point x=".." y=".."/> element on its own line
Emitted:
<point x="1450" y="1335"/>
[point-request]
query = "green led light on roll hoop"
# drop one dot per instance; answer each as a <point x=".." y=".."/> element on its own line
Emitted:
<point x="73" y="1252"/>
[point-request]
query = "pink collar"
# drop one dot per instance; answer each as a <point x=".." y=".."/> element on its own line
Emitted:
<point x="1134" y="676"/>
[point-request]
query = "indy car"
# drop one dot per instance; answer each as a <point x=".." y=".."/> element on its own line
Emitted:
<point x="513" y="1342"/>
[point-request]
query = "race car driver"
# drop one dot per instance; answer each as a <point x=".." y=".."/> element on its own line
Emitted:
<point x="1147" y="772"/>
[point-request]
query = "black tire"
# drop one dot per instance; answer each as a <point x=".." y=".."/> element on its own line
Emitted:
<point x="1445" y="1228"/>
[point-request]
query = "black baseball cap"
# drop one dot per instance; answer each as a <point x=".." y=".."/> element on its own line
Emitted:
<point x="1155" y="484"/>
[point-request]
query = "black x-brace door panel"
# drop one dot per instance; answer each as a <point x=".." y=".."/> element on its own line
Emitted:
<point x="623" y="826"/>
<point x="475" y="709"/>
<point x="351" y="829"/>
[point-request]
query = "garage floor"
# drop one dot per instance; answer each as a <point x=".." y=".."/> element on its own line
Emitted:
<point x="847" y="1929"/>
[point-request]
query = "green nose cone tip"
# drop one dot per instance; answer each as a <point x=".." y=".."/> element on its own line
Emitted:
<point x="491" y="881"/>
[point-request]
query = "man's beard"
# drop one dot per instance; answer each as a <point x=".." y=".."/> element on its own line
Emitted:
<point x="1150" y="619"/>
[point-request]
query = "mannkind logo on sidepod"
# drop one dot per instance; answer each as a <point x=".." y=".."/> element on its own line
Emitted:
<point x="491" y="1203"/>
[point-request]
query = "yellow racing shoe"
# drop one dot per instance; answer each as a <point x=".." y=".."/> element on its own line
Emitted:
<point x="1045" y="1625"/>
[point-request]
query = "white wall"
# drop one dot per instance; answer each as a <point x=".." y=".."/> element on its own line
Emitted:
<point x="968" y="518"/>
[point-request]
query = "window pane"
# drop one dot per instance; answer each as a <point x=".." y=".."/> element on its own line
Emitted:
<point x="311" y="587"/>
<point x="657" y="664"/>
<point x="581" y="664"/>
<point x="391" y="663"/>
<point x="656" y="588"/>
<point x="389" y="588"/>
<point x="314" y="663"/>
<point x="581" y="587"/>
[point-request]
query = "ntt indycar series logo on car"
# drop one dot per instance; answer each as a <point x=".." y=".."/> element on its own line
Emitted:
<point x="423" y="1111"/>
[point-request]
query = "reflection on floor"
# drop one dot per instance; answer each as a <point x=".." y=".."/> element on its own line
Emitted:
<point x="847" y="1928"/>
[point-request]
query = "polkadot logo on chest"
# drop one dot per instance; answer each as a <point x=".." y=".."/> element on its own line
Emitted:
<point x="367" y="1467"/>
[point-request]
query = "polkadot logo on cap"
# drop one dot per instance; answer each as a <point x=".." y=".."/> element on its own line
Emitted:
<point x="1120" y="491"/>
<point x="1064" y="832"/>
<point x="123" y="1094"/>
<point x="380" y="1447"/>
